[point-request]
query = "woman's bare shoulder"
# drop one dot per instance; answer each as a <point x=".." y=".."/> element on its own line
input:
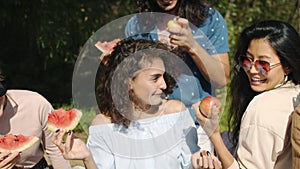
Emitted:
<point x="101" y="119"/>
<point x="174" y="106"/>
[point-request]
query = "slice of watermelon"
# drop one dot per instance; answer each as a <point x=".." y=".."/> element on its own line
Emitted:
<point x="107" y="47"/>
<point x="62" y="119"/>
<point x="15" y="143"/>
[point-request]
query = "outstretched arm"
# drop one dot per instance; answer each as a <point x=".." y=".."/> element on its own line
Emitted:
<point x="212" y="129"/>
<point x="73" y="148"/>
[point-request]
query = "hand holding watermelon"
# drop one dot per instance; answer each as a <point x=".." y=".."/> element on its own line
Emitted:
<point x="73" y="148"/>
<point x="106" y="48"/>
<point x="8" y="159"/>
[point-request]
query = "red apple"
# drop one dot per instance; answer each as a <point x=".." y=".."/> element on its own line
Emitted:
<point x="173" y="24"/>
<point x="207" y="104"/>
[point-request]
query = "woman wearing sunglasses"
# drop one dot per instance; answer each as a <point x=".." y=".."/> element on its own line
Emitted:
<point x="264" y="88"/>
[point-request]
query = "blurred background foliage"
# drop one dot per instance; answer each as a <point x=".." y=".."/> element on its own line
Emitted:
<point x="41" y="39"/>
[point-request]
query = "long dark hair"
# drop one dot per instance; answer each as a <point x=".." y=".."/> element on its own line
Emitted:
<point x="196" y="11"/>
<point x="285" y="40"/>
<point x="113" y="79"/>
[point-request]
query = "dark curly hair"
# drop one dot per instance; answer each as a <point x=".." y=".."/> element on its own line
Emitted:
<point x="196" y="11"/>
<point x="285" y="40"/>
<point x="113" y="78"/>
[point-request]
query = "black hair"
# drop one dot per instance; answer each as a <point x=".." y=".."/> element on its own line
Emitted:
<point x="285" y="41"/>
<point x="195" y="11"/>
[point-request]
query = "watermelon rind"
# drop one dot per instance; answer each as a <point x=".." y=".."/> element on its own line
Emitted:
<point x="100" y="48"/>
<point x="107" y="46"/>
<point x="31" y="141"/>
<point x="54" y="128"/>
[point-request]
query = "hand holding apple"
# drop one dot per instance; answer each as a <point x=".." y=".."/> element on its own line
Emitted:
<point x="173" y="24"/>
<point x="207" y="104"/>
<point x="207" y="114"/>
<point x="181" y="34"/>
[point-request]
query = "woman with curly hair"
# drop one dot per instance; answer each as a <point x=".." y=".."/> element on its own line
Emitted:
<point x="264" y="90"/>
<point x="202" y="34"/>
<point x="137" y="126"/>
<point x="203" y="37"/>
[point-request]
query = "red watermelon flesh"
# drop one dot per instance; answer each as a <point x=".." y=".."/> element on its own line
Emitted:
<point x="63" y="119"/>
<point x="107" y="47"/>
<point x="15" y="143"/>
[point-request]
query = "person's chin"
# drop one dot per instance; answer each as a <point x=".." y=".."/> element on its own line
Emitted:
<point x="156" y="102"/>
<point x="260" y="88"/>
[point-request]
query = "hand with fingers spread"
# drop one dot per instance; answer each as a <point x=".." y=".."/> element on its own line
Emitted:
<point x="8" y="160"/>
<point x="204" y="159"/>
<point x="211" y="124"/>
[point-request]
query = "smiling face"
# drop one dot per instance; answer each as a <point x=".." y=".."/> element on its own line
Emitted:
<point x="167" y="5"/>
<point x="260" y="49"/>
<point x="149" y="83"/>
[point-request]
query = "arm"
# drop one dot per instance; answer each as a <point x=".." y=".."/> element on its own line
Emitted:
<point x="203" y="140"/>
<point x="211" y="127"/>
<point x="52" y="151"/>
<point x="214" y="67"/>
<point x="259" y="143"/>
<point x="295" y="139"/>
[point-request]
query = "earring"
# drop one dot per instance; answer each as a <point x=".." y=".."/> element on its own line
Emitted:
<point x="286" y="78"/>
<point x="284" y="81"/>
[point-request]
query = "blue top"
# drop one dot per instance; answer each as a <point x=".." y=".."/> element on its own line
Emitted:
<point x="162" y="142"/>
<point x="212" y="35"/>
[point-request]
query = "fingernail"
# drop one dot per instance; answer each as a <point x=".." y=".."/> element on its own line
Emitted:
<point x="69" y="132"/>
<point x="57" y="130"/>
<point x="208" y="153"/>
<point x="204" y="153"/>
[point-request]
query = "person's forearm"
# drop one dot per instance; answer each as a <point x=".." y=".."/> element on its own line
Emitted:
<point x="222" y="151"/>
<point x="214" y="70"/>
<point x="89" y="163"/>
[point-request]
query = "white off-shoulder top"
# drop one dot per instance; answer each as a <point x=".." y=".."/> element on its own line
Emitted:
<point x="161" y="142"/>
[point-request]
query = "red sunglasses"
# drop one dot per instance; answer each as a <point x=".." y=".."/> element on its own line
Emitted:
<point x="261" y="66"/>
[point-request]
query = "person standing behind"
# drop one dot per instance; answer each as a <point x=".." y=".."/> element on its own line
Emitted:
<point x="205" y="42"/>
<point x="203" y="38"/>
<point x="26" y="112"/>
<point x="265" y="84"/>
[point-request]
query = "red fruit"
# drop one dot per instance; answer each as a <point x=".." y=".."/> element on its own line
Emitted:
<point x="62" y="119"/>
<point x="17" y="143"/>
<point x="207" y="104"/>
<point x="173" y="24"/>
<point x="107" y="47"/>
